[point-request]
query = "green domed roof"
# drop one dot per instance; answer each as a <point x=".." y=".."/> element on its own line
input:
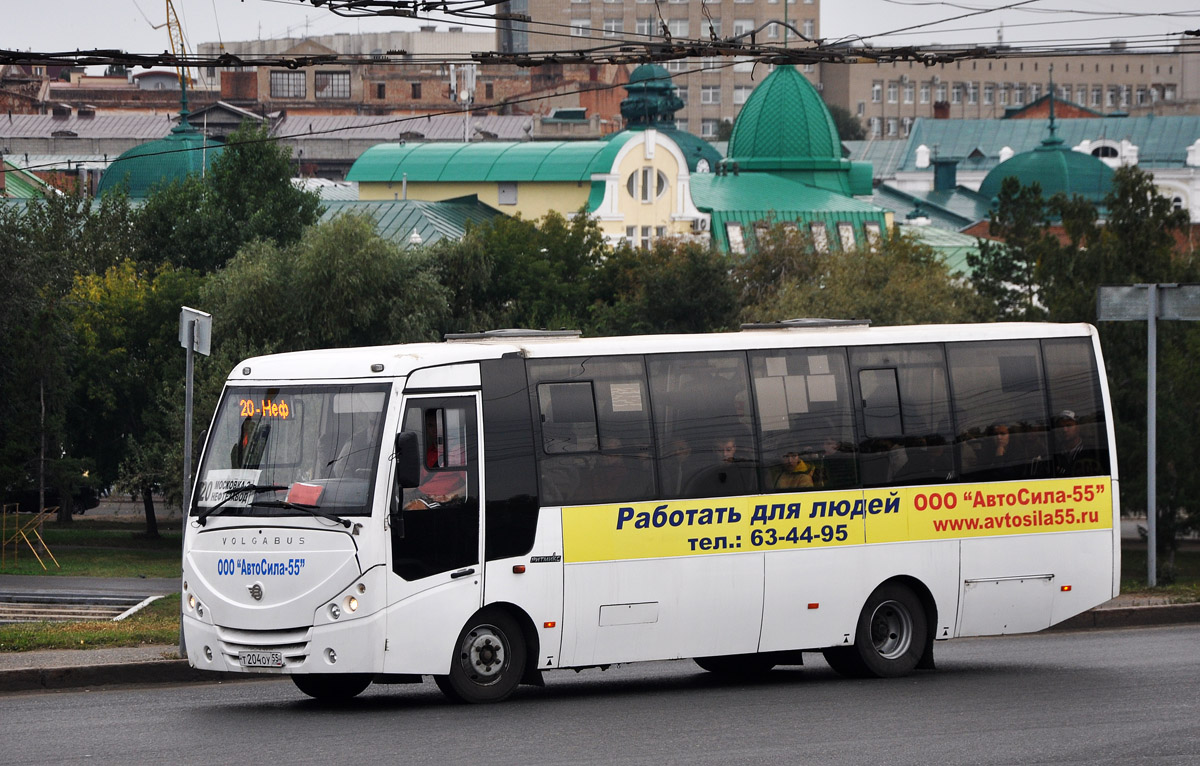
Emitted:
<point x="1055" y="168"/>
<point x="184" y="151"/>
<point x="783" y="120"/>
<point x="649" y="72"/>
<point x="652" y="101"/>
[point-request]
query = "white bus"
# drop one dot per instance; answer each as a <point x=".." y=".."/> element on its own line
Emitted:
<point x="497" y="505"/>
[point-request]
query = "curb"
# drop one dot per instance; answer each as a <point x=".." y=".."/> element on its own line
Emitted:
<point x="1132" y="617"/>
<point x="163" y="672"/>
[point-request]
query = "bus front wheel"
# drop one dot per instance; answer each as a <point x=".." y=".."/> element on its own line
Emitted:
<point x="889" y="638"/>
<point x="488" y="662"/>
<point x="332" y="687"/>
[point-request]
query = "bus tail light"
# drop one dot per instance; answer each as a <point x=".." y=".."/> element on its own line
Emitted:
<point x="1065" y="588"/>
<point x="814" y="606"/>
<point x="518" y="569"/>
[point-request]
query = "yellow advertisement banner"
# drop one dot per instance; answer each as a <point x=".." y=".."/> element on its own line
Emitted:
<point x="827" y="519"/>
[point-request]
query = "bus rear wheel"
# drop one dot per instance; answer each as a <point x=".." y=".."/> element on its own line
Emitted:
<point x="488" y="662"/>
<point x="889" y="639"/>
<point x="332" y="687"/>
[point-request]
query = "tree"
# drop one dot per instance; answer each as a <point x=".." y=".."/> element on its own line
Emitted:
<point x="513" y="272"/>
<point x="1140" y="241"/>
<point x="201" y="222"/>
<point x="675" y="286"/>
<point x="849" y="127"/>
<point x="1004" y="271"/>
<point x="128" y="376"/>
<point x="46" y="244"/>
<point x="900" y="281"/>
<point x="341" y="285"/>
<point x="725" y="130"/>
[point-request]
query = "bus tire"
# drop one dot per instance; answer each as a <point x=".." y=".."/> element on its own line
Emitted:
<point x="332" y="687"/>
<point x="742" y="665"/>
<point x="889" y="638"/>
<point x="489" y="659"/>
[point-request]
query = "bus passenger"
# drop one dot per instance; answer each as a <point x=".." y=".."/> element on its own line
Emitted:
<point x="996" y="459"/>
<point x="793" y="473"/>
<point x="1070" y="458"/>
<point x="437" y="487"/>
<point x="834" y="467"/>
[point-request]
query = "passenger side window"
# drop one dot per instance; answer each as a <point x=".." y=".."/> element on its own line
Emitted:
<point x="703" y="419"/>
<point x="806" y="419"/>
<point x="906" y="430"/>
<point x="1078" y="436"/>
<point x="594" y="430"/>
<point x="1000" y="410"/>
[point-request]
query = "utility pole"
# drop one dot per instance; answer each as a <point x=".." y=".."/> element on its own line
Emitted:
<point x="1149" y="302"/>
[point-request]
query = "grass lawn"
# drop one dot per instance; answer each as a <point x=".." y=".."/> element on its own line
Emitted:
<point x="100" y="549"/>
<point x="1186" y="585"/>
<point x="156" y="624"/>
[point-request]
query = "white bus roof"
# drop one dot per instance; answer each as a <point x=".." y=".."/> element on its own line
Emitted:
<point x="400" y="360"/>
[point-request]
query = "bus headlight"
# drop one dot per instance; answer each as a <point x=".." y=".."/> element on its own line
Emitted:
<point x="352" y="604"/>
<point x="335" y="611"/>
<point x="191" y="602"/>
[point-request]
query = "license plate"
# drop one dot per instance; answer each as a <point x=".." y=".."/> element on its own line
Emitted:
<point x="261" y="659"/>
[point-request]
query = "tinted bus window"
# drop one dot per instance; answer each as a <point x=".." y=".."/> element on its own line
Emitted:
<point x="1000" y="409"/>
<point x="702" y="417"/>
<point x="906" y="431"/>
<point x="806" y="419"/>
<point x="509" y="460"/>
<point x="1077" y="437"/>
<point x="594" y="429"/>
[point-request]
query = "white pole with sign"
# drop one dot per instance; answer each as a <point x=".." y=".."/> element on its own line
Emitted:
<point x="1125" y="303"/>
<point x="195" y="335"/>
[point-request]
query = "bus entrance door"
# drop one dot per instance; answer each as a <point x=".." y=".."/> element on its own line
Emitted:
<point x="436" y="581"/>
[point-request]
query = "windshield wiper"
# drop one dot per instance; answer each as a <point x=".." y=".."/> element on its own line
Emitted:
<point x="233" y="492"/>
<point x="309" y="509"/>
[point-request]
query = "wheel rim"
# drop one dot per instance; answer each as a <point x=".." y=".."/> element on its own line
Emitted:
<point x="891" y="629"/>
<point x="484" y="654"/>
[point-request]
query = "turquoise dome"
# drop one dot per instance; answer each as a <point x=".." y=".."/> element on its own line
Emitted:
<point x="783" y="120"/>
<point x="183" y="152"/>
<point x="1056" y="169"/>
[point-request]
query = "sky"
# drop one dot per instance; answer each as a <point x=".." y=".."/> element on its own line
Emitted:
<point x="63" y="25"/>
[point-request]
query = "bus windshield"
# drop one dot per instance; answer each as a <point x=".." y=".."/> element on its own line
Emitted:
<point x="292" y="449"/>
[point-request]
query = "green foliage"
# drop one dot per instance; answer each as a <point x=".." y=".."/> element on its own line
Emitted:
<point x="341" y="285"/>
<point x="900" y="281"/>
<point x="128" y="367"/>
<point x="676" y="286"/>
<point x="849" y="127"/>
<point x="45" y="245"/>
<point x="511" y="272"/>
<point x="1139" y="240"/>
<point x="725" y="130"/>
<point x="1004" y="271"/>
<point x="201" y="222"/>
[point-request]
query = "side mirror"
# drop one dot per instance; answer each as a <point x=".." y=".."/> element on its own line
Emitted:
<point x="408" y="460"/>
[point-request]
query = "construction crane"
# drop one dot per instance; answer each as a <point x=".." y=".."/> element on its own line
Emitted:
<point x="175" y="32"/>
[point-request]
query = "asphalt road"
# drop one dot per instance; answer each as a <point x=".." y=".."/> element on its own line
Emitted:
<point x="1105" y="697"/>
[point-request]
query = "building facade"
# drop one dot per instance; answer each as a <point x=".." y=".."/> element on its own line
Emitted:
<point x="713" y="90"/>
<point x="889" y="98"/>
